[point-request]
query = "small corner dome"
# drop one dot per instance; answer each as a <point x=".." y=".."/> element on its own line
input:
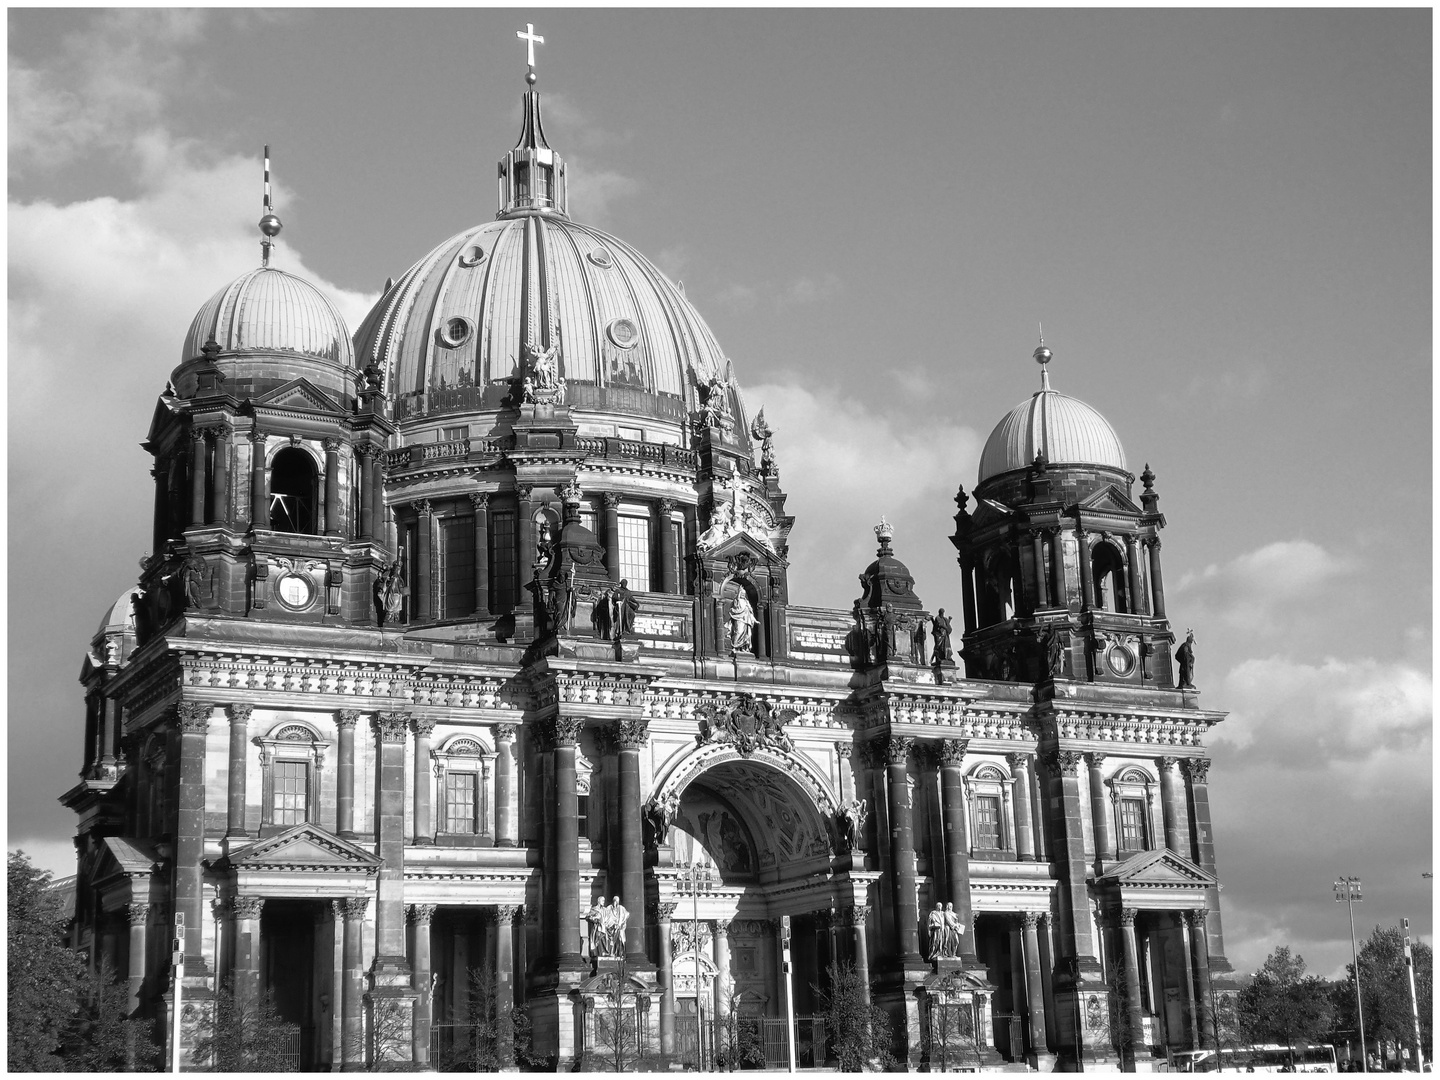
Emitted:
<point x="269" y="311"/>
<point x="1066" y="429"/>
<point x="119" y="617"/>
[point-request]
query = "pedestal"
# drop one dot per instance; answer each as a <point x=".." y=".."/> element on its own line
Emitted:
<point x="621" y="1018"/>
<point x="390" y="1013"/>
<point x="958" y="1025"/>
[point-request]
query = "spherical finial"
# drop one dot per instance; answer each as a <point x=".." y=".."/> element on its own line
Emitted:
<point x="530" y="77"/>
<point x="270" y="225"/>
<point x="1042" y="355"/>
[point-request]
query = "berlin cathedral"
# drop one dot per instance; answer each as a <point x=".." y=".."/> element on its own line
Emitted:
<point x="465" y="657"/>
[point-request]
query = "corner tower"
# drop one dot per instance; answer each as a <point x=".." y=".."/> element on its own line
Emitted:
<point x="1060" y="567"/>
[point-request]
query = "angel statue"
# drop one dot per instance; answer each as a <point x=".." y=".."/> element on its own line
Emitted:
<point x="852" y="823"/>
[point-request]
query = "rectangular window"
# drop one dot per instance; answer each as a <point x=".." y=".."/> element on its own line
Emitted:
<point x="462" y="801"/>
<point x="987" y="823"/>
<point x="584" y="814"/>
<point x="457" y="566"/>
<point x="635" y="552"/>
<point x="677" y="552"/>
<point x="502" y="561"/>
<point x="587" y="518"/>
<point x="633" y="434"/>
<point x="452" y="434"/>
<point x="1132" y="825"/>
<point x="292" y="792"/>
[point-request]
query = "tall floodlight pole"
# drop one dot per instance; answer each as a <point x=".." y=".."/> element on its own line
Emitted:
<point x="178" y="961"/>
<point x="1414" y="1005"/>
<point x="1347" y="892"/>
<point x="694" y="877"/>
<point x="789" y="988"/>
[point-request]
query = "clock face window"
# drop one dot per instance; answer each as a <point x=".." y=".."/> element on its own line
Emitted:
<point x="295" y="591"/>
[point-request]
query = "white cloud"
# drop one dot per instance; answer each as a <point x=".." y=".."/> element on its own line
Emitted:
<point x="592" y="191"/>
<point x="807" y="290"/>
<point x="736" y="297"/>
<point x="57" y="856"/>
<point x="839" y="459"/>
<point x="1258" y="591"/>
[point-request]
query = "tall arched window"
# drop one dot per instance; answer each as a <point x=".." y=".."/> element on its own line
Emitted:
<point x="294" y="487"/>
<point x="1109" y="577"/>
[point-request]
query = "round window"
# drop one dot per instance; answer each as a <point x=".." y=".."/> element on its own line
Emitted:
<point x="473" y="255"/>
<point x="295" y="591"/>
<point x="623" y="333"/>
<point x="1121" y="660"/>
<point x="601" y="257"/>
<point x="456" y="331"/>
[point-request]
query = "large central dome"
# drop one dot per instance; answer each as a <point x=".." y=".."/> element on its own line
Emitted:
<point x="453" y="333"/>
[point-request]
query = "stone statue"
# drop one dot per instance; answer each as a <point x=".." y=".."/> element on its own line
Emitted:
<point x="598" y="917"/>
<point x="659" y="813"/>
<point x="885" y="647"/>
<point x="742" y="624"/>
<point x="623" y="606"/>
<point x="938" y="933"/>
<point x="722" y="520"/>
<point x="1186" y="656"/>
<point x="712" y="402"/>
<point x="619" y="920"/>
<point x="192" y="577"/>
<point x="917" y="642"/>
<point x="940" y="627"/>
<point x="1054" y="651"/>
<point x="954" y="928"/>
<point x="852" y="823"/>
<point x="390" y="591"/>
<point x="600" y="615"/>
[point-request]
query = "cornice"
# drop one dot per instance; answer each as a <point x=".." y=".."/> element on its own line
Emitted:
<point x="1094" y="725"/>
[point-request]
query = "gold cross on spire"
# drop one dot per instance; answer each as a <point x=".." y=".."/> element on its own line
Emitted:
<point x="531" y="39"/>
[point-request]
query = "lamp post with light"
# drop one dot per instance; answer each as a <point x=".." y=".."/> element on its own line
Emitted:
<point x="1347" y="892"/>
<point x="694" y="879"/>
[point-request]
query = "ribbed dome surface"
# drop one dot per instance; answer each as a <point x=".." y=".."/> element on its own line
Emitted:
<point x="1069" y="431"/>
<point x="268" y="310"/>
<point x="539" y="277"/>
<point x="119" y="617"/>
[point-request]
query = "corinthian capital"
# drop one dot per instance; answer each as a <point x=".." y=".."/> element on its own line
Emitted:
<point x="1197" y="768"/>
<point x="952" y="751"/>
<point x="194" y="718"/>
<point x="632" y="734"/>
<point x="1062" y="762"/>
<point x="392" y="727"/>
<point x="897" y="749"/>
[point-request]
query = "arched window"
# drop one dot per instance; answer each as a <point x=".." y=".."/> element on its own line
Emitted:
<point x="1109" y="576"/>
<point x="294" y="486"/>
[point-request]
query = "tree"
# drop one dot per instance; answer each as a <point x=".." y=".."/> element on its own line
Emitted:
<point x="104" y="1037"/>
<point x="493" y="1032"/>
<point x="859" y="1031"/>
<point x="1284" y="1005"/>
<point x="43" y="977"/>
<point x="739" y="1043"/>
<point x="236" y="1032"/>
<point x="1385" y="987"/>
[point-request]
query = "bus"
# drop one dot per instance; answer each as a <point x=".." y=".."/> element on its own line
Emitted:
<point x="1259" y="1058"/>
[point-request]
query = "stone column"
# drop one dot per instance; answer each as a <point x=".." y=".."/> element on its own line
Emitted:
<point x="630" y="736"/>
<point x="1132" y="979"/>
<point x="1057" y="559"/>
<point x="1137" y="592"/>
<point x="1173" y="812"/>
<point x="332" y="487"/>
<point x="1197" y="770"/>
<point x="421" y="595"/>
<point x="220" y="484"/>
<point x="856" y="915"/>
<point x="957" y="843"/>
<point x="507" y="917"/>
<point x="198" y="479"/>
<point x="352" y="1023"/>
<point x="565" y="734"/>
<point x="1034" y="988"/>
<point x="364" y="452"/>
<point x="504" y="785"/>
<point x="194" y="722"/>
<point x="1024" y="819"/>
<point x="1074" y="888"/>
<point x="1042" y="585"/>
<point x="1157" y="585"/>
<point x="160" y="521"/>
<point x="424" y="828"/>
<point x="668" y="580"/>
<point x="1104" y="836"/>
<point x="139" y="916"/>
<point x="663" y="913"/>
<point x="481" y="502"/>
<point x="1200" y="988"/>
<point x="245" y="935"/>
<point x="1087" y="573"/>
<point x="722" y="977"/>
<point x="345" y="776"/>
<point x="377" y="487"/>
<point x="967" y="594"/>
<point x="902" y="849"/>
<point x="391" y="730"/>
<point x="239" y="744"/>
<point x="259" y="495"/>
<point x="524" y="539"/>
<point x="612" y="534"/>
<point x="420" y="916"/>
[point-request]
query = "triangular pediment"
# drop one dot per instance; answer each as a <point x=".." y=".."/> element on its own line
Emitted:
<point x="1109" y="499"/>
<point x="299" y="394"/>
<point x="737" y="544"/>
<point x="1158" y="870"/>
<point x="989" y="511"/>
<point x="305" y="847"/>
<point x="122" y="855"/>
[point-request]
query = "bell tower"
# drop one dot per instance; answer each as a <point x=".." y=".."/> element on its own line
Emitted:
<point x="1060" y="567"/>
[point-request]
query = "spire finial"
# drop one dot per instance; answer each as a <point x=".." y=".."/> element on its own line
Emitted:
<point x="1042" y="357"/>
<point x="269" y="223"/>
<point x="531" y="39"/>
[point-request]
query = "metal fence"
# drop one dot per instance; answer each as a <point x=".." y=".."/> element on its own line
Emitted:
<point x="289" y="1039"/>
<point x="809" y="1043"/>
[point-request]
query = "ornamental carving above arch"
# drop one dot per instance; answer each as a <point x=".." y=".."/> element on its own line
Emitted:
<point x="707" y="755"/>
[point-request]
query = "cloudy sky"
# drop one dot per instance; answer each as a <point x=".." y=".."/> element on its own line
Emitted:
<point x="1222" y="218"/>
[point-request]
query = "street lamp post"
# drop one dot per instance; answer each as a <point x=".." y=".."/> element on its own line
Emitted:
<point x="1414" y="1007"/>
<point x="1347" y="892"/>
<point x="694" y="879"/>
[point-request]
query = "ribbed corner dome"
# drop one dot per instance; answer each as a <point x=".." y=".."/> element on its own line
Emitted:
<point x="119" y="616"/>
<point x="461" y="315"/>
<point x="269" y="311"/>
<point x="1069" y="431"/>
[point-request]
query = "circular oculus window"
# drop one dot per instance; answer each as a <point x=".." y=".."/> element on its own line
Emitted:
<point x="623" y="333"/>
<point x="473" y="255"/>
<point x="455" y="331"/>
<point x="1121" y="659"/>
<point x="601" y="257"/>
<point x="295" y="591"/>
